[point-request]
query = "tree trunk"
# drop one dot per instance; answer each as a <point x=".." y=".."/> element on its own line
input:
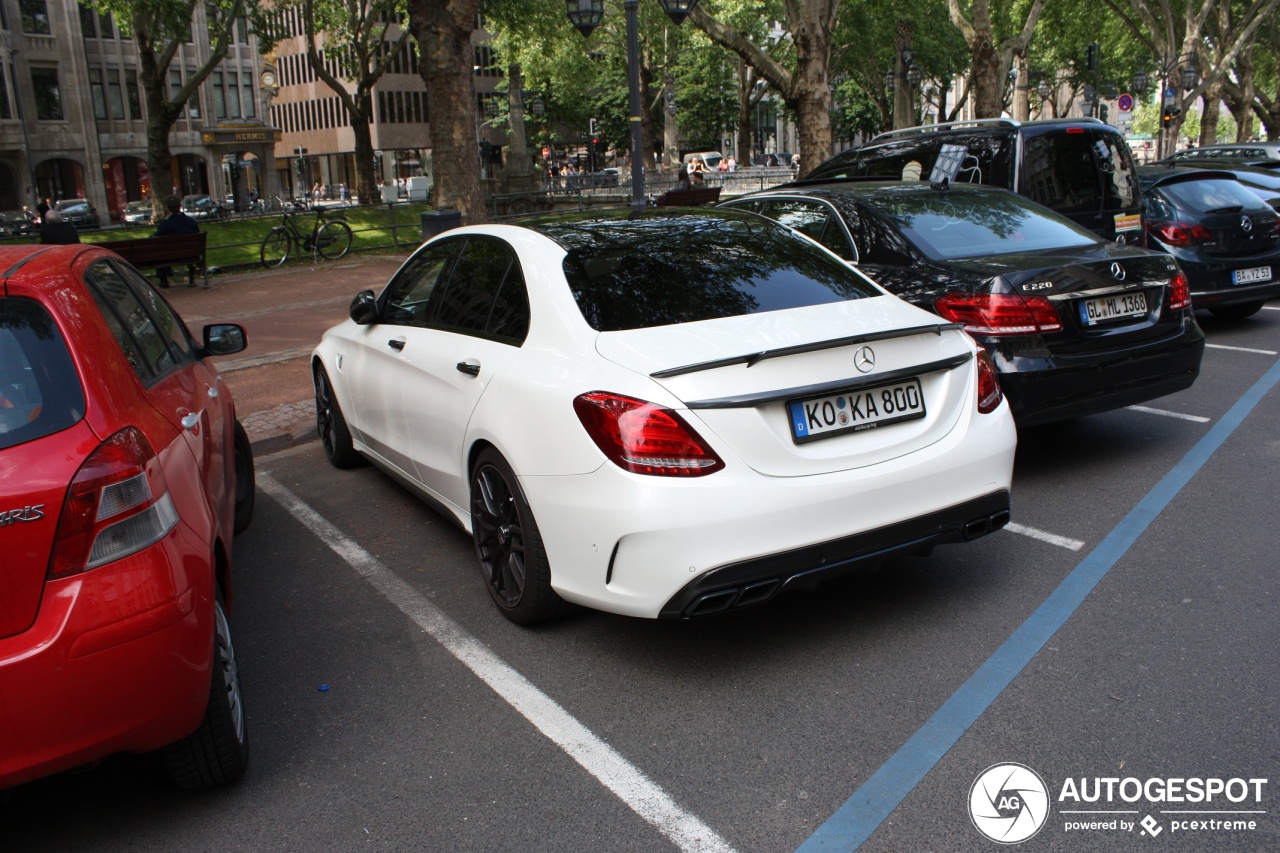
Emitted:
<point x="1212" y="106"/>
<point x="366" y="168"/>
<point x="988" y="100"/>
<point x="443" y="29"/>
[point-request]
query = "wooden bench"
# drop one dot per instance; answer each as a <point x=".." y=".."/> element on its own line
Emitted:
<point x="149" y="253"/>
<point x="689" y="198"/>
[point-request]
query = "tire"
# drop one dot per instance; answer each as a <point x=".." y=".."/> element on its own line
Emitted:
<point x="331" y="426"/>
<point x="513" y="561"/>
<point x="334" y="240"/>
<point x="246" y="489"/>
<point x="275" y="247"/>
<point x="1239" y="311"/>
<point x="217" y="753"/>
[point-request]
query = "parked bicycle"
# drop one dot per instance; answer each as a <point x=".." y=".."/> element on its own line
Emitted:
<point x="330" y="238"/>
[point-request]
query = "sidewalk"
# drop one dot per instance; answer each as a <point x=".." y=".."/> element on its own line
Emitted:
<point x="284" y="313"/>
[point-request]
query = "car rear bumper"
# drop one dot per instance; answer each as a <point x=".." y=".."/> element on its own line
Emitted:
<point x="1211" y="282"/>
<point x="116" y="660"/>
<point x="652" y="546"/>
<point x="1045" y="390"/>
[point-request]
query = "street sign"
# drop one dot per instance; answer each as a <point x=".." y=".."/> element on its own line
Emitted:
<point x="1125" y="103"/>
<point x="1170" y="95"/>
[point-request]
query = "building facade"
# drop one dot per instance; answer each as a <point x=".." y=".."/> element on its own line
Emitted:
<point x="73" y="114"/>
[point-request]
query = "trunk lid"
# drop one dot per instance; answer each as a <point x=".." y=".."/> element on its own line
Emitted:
<point x="737" y="375"/>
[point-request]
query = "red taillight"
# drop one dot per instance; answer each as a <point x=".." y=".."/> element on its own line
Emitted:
<point x="117" y="505"/>
<point x="1179" y="233"/>
<point x="644" y="438"/>
<point x="1000" y="313"/>
<point x="1179" y="292"/>
<point x="989" y="393"/>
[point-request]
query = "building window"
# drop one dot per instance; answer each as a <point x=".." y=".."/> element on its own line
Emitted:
<point x="87" y="21"/>
<point x="219" y="96"/>
<point x="5" y="111"/>
<point x="97" y="93"/>
<point x="44" y="82"/>
<point x="35" y="19"/>
<point x="233" y="94"/>
<point x="193" y="103"/>
<point x="115" y="97"/>
<point x="131" y="88"/>
<point x="106" y="26"/>
<point x="246" y="94"/>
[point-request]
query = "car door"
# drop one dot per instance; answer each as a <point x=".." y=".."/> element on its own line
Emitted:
<point x="177" y="384"/>
<point x="375" y="369"/>
<point x="475" y="326"/>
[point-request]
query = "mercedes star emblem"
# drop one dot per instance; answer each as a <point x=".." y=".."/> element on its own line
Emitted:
<point x="1117" y="272"/>
<point x="864" y="359"/>
<point x="1246" y="223"/>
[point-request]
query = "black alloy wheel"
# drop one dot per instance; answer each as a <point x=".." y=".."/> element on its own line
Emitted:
<point x="331" y="426"/>
<point x="246" y="487"/>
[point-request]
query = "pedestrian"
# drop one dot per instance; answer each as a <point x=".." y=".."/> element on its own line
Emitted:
<point x="55" y="232"/>
<point x="176" y="223"/>
<point x="682" y="177"/>
<point x="42" y="208"/>
<point x="795" y="162"/>
<point x="697" y="171"/>
<point x="342" y="193"/>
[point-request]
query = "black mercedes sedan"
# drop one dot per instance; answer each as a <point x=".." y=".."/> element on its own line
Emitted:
<point x="1225" y="237"/>
<point x="1075" y="325"/>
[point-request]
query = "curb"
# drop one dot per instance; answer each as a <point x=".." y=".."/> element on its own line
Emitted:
<point x="274" y="443"/>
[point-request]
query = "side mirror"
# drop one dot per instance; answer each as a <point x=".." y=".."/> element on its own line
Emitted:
<point x="224" y="339"/>
<point x="364" y="308"/>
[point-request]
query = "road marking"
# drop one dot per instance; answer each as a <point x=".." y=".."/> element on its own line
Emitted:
<point x="1271" y="307"/>
<point x="645" y="797"/>
<point x="1051" y="538"/>
<point x="1168" y="414"/>
<point x="1242" y="349"/>
<point x="860" y="816"/>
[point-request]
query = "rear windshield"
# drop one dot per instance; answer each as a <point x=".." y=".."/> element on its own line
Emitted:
<point x="947" y="226"/>
<point x="981" y="158"/>
<point x="656" y="270"/>
<point x="1211" y="196"/>
<point x="40" y="391"/>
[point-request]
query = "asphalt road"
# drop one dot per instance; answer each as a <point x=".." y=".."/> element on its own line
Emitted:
<point x="392" y="708"/>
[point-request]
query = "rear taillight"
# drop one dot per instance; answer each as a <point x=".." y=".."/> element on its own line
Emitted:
<point x="1000" y="313"/>
<point x="1179" y="233"/>
<point x="117" y="505"/>
<point x="1179" y="292"/>
<point x="644" y="438"/>
<point x="989" y="393"/>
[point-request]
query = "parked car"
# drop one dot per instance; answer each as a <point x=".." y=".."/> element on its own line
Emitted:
<point x="126" y="476"/>
<point x="137" y="213"/>
<point x="14" y="223"/>
<point x="1265" y="183"/>
<point x="1258" y="153"/>
<point x="78" y="212"/>
<point x="1075" y="325"/>
<point x="1079" y="167"/>
<point x="200" y="206"/>
<point x="1225" y="237"/>
<point x="664" y="414"/>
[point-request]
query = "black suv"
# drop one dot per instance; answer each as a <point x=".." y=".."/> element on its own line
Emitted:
<point x="1080" y="167"/>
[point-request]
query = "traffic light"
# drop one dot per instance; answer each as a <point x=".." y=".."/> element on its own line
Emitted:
<point x="1091" y="58"/>
<point x="593" y="128"/>
<point x="1166" y="118"/>
<point x="1102" y="111"/>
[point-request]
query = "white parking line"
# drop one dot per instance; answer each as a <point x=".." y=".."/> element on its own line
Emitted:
<point x="1242" y="349"/>
<point x="632" y="786"/>
<point x="1151" y="411"/>
<point x="1051" y="538"/>
<point x="1271" y="307"/>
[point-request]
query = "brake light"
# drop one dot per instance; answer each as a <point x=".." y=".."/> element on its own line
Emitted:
<point x="118" y="504"/>
<point x="1179" y="292"/>
<point x="1179" y="233"/>
<point x="644" y="438"/>
<point x="989" y="393"/>
<point x="1000" y="313"/>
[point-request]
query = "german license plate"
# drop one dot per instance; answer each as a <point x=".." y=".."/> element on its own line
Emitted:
<point x="854" y="411"/>
<point x="1251" y="275"/>
<point x="1113" y="307"/>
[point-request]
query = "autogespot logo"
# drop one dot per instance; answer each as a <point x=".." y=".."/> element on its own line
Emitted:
<point x="1008" y="803"/>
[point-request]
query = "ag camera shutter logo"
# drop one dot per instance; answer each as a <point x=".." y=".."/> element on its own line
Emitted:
<point x="1008" y="803"/>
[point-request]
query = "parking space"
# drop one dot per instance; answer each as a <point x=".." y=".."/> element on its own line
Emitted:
<point x="391" y="707"/>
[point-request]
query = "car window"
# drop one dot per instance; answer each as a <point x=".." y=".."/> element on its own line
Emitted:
<point x="151" y="351"/>
<point x="1212" y="196"/>
<point x="169" y="324"/>
<point x="1060" y="171"/>
<point x="1119" y="183"/>
<point x="650" y="271"/>
<point x="984" y="158"/>
<point x="404" y="302"/>
<point x="468" y="299"/>
<point x="40" y="392"/>
<point x="813" y="219"/>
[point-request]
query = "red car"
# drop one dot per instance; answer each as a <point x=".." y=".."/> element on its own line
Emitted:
<point x="123" y="478"/>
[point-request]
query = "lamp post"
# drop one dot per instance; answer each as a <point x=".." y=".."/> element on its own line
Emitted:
<point x="1190" y="79"/>
<point x="586" y="16"/>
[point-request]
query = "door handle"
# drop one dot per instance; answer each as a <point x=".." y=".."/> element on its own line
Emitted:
<point x="191" y="421"/>
<point x="468" y="368"/>
<point x="396" y="344"/>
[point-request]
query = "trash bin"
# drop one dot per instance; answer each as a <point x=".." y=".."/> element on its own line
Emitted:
<point x="439" y="221"/>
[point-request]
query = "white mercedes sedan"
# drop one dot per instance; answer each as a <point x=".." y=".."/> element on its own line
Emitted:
<point x="664" y="414"/>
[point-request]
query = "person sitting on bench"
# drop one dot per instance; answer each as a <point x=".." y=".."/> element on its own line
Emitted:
<point x="176" y="222"/>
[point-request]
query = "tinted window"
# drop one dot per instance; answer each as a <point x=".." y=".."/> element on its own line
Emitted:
<point x="644" y="270"/>
<point x="969" y="224"/>
<point x="986" y="158"/>
<point x="814" y="220"/>
<point x="469" y="299"/>
<point x="149" y="346"/>
<point x="1212" y="196"/>
<point x="1078" y="173"/>
<point x="406" y="297"/>
<point x="1119" y="183"/>
<point x="40" y="392"/>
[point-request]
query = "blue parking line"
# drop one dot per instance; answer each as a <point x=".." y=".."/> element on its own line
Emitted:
<point x="876" y="799"/>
